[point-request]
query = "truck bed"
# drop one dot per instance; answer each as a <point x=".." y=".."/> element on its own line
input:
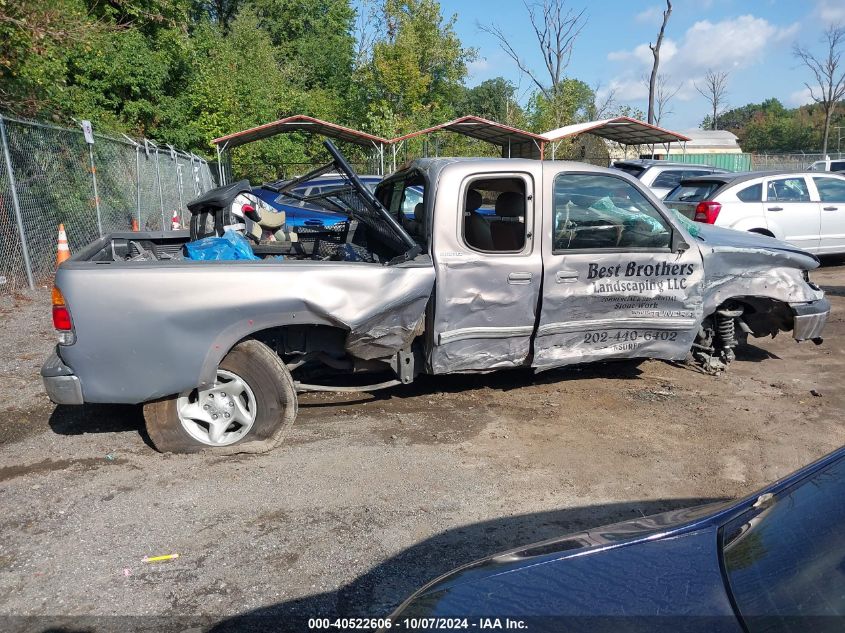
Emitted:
<point x="150" y="327"/>
<point x="337" y="243"/>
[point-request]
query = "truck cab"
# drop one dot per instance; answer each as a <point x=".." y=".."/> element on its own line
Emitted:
<point x="544" y="264"/>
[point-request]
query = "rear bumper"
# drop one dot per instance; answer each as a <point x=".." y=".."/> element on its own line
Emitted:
<point x="809" y="319"/>
<point x="61" y="385"/>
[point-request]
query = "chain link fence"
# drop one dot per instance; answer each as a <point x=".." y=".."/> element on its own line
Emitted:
<point x="789" y="162"/>
<point x="51" y="175"/>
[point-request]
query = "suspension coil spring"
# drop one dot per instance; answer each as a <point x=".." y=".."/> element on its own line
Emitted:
<point x="726" y="327"/>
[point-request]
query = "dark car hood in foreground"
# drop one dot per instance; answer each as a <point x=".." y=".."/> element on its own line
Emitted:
<point x="658" y="573"/>
<point x="563" y="577"/>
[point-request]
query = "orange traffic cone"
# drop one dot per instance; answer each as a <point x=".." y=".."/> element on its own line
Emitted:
<point x="134" y="225"/>
<point x="175" y="222"/>
<point x="62" y="251"/>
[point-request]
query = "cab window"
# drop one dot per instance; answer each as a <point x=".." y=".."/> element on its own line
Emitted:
<point x="494" y="215"/>
<point x="405" y="200"/>
<point x="597" y="211"/>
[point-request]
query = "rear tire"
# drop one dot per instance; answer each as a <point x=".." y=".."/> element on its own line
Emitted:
<point x="254" y="391"/>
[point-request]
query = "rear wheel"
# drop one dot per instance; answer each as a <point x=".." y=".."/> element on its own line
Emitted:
<point x="248" y="409"/>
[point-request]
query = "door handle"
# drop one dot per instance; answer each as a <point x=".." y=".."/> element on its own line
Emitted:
<point x="775" y="208"/>
<point x="566" y="276"/>
<point x="520" y="278"/>
<point x="830" y="208"/>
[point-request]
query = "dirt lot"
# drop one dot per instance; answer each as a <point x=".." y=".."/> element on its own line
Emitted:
<point x="373" y="495"/>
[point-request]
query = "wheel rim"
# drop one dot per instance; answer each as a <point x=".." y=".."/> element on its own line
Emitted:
<point x="220" y="415"/>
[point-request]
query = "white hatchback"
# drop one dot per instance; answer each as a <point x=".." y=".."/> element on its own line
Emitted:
<point x="805" y="209"/>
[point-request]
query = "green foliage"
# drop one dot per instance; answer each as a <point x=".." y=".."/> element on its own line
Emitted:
<point x="212" y="105"/>
<point x="314" y="37"/>
<point x="493" y="99"/>
<point x="572" y="102"/>
<point x="415" y="74"/>
<point x="770" y="127"/>
<point x="34" y="35"/>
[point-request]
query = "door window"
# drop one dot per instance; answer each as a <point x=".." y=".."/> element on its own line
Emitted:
<point x="830" y="189"/>
<point x="754" y="193"/>
<point x="597" y="211"/>
<point x="494" y="215"/>
<point x="787" y="190"/>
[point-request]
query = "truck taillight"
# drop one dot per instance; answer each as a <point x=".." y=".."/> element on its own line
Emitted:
<point x="707" y="212"/>
<point x="62" y="320"/>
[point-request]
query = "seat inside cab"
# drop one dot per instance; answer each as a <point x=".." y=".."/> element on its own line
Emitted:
<point x="494" y="215"/>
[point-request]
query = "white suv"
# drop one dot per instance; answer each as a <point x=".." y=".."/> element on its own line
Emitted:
<point x="805" y="209"/>
<point x="828" y="165"/>
<point x="662" y="176"/>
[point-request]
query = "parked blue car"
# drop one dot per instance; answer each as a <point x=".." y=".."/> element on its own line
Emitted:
<point x="300" y="213"/>
<point x="773" y="562"/>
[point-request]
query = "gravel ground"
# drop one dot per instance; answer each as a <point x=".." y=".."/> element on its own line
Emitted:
<point x="373" y="495"/>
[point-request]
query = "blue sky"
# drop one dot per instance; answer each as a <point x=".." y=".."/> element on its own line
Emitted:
<point x="752" y="39"/>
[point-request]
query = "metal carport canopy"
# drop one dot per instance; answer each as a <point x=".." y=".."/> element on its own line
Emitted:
<point x="514" y="142"/>
<point x="624" y="130"/>
<point x="299" y="123"/>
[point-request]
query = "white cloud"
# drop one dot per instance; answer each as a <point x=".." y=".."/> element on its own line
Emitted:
<point x="830" y="11"/>
<point x="652" y="15"/>
<point x="642" y="54"/>
<point x="730" y="44"/>
<point x="800" y="97"/>
<point x="480" y="65"/>
<point x="624" y="90"/>
<point x="727" y="45"/>
<point x="724" y="45"/>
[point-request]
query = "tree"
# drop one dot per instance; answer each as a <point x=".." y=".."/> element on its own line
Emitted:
<point x="220" y="12"/>
<point x="35" y="36"/>
<point x="556" y="28"/>
<point x="655" y="52"/>
<point x="736" y="119"/>
<point x="314" y="37"/>
<point x="493" y="99"/>
<point x="416" y="69"/>
<point x="664" y="92"/>
<point x="714" y="90"/>
<point x="828" y="73"/>
<point x="235" y="83"/>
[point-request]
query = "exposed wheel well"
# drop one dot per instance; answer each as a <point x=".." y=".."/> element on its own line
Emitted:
<point x="763" y="315"/>
<point x="310" y="351"/>
<point x="295" y="340"/>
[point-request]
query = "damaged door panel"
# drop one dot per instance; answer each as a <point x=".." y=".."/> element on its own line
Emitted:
<point x="620" y="281"/>
<point x="489" y="277"/>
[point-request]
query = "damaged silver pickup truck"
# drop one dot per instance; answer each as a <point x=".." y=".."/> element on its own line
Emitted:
<point x="506" y="263"/>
